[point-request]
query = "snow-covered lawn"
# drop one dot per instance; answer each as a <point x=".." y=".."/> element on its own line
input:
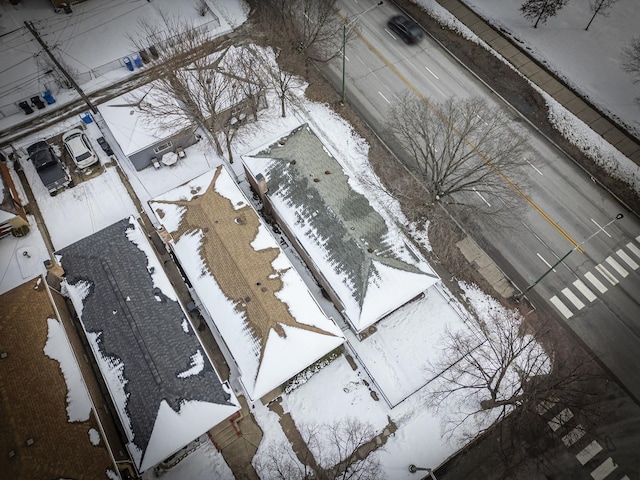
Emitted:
<point x="396" y="355"/>
<point x="588" y="60"/>
<point x="21" y="259"/>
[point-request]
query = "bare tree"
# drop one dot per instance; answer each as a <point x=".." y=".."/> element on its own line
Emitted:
<point x="309" y="26"/>
<point x="541" y="10"/>
<point x="600" y="7"/>
<point x="458" y="147"/>
<point x="276" y="71"/>
<point x="497" y="367"/>
<point x="195" y="84"/>
<point x="331" y="451"/>
<point x="631" y="59"/>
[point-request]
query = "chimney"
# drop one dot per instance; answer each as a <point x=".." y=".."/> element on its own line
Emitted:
<point x="54" y="269"/>
<point x="262" y="185"/>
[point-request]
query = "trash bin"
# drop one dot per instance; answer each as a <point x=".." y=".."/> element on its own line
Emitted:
<point x="37" y="102"/>
<point x="86" y="117"/>
<point x="144" y="55"/>
<point x="137" y="61"/>
<point x="48" y="97"/>
<point x="26" y="108"/>
<point x="128" y="64"/>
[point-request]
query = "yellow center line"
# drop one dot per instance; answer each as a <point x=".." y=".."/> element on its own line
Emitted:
<point x="538" y="209"/>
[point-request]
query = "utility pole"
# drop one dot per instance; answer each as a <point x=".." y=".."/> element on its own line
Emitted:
<point x="71" y="81"/>
<point x="577" y="247"/>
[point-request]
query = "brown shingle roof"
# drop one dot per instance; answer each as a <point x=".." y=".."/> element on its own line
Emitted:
<point x="33" y="398"/>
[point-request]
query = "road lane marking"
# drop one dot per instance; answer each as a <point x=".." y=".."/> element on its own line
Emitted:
<point x="604" y="469"/>
<point x="638" y="238"/>
<point x="385" y="98"/>
<point x="573" y="298"/>
<point x="627" y="259"/>
<point x="431" y="73"/>
<point x="563" y="417"/>
<point x="635" y="250"/>
<point x="595" y="282"/>
<point x="600" y="228"/>
<point x="386" y="30"/>
<point x="574" y="435"/>
<point x="480" y="195"/>
<point x="588" y="452"/>
<point x="563" y="310"/>
<point x="534" y="167"/>
<point x="545" y="262"/>
<point x="588" y="294"/>
<point x="617" y="267"/>
<point x="607" y="274"/>
<point x="510" y="182"/>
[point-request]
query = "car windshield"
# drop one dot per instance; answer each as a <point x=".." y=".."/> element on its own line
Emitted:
<point x="83" y="156"/>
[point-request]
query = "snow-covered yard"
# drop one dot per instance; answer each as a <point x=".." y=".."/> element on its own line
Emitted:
<point x="590" y="61"/>
<point x="395" y="355"/>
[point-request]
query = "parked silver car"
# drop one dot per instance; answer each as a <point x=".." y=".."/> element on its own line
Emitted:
<point x="79" y="148"/>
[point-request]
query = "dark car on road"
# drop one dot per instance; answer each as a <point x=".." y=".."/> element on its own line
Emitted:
<point x="53" y="174"/>
<point x="406" y="28"/>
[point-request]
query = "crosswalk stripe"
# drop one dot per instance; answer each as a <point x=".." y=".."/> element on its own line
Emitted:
<point x="638" y="238"/>
<point x="627" y="259"/>
<point x="561" y="306"/>
<point x="579" y="284"/>
<point x="572" y="298"/>
<point x="588" y="452"/>
<point x="634" y="249"/>
<point x="604" y="469"/>
<point x="617" y="267"/>
<point x="574" y="435"/>
<point x="595" y="282"/>
<point x="607" y="274"/>
<point x="563" y="417"/>
<point x="544" y="406"/>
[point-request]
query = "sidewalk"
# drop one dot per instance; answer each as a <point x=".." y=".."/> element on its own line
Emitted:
<point x="606" y="128"/>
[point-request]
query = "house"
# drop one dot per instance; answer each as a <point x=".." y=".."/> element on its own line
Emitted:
<point x="49" y="424"/>
<point x="162" y="383"/>
<point x="367" y="268"/>
<point x="13" y="218"/>
<point x="268" y="322"/>
<point x="211" y="91"/>
<point x="139" y="139"/>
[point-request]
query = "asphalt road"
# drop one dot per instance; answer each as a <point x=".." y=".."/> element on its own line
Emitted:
<point x="596" y="288"/>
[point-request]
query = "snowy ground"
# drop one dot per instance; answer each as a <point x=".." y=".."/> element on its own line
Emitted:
<point x="80" y="39"/>
<point x="589" y="60"/>
<point x="408" y="338"/>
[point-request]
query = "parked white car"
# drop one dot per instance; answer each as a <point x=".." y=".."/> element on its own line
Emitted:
<point x="79" y="148"/>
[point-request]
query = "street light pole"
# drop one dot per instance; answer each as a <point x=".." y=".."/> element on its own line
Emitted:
<point x="414" y="469"/>
<point x="346" y="28"/>
<point x="552" y="267"/>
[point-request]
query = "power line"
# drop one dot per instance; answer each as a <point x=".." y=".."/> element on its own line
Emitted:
<point x="60" y="68"/>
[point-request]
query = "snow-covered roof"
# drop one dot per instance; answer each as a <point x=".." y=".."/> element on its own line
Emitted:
<point x="46" y="409"/>
<point x="268" y="319"/>
<point x="371" y="266"/>
<point x="131" y="129"/>
<point x="163" y="385"/>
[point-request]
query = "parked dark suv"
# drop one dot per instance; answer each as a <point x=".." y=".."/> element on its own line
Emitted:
<point x="53" y="174"/>
<point x="407" y="29"/>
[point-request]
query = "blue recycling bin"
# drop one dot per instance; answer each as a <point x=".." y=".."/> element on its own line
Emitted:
<point x="128" y="64"/>
<point x="137" y="61"/>
<point x="86" y="117"/>
<point x="48" y="97"/>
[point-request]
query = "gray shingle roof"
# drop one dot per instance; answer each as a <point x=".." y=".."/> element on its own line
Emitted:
<point x="139" y="326"/>
<point x="341" y="220"/>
